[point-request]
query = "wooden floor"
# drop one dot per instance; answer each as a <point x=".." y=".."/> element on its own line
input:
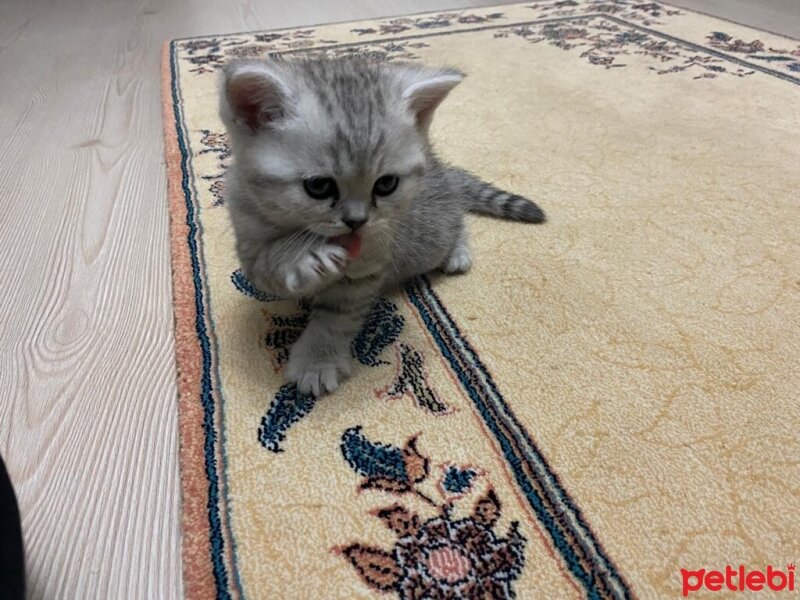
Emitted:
<point x="87" y="392"/>
<point x="778" y="16"/>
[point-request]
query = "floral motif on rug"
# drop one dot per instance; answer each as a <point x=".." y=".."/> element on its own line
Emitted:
<point x="439" y="557"/>
<point x="436" y="472"/>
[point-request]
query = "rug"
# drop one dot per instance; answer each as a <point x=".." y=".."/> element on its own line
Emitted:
<point x="606" y="406"/>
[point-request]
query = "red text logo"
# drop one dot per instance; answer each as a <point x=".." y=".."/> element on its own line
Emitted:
<point x="738" y="580"/>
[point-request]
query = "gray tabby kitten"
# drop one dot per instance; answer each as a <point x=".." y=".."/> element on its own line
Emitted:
<point x="336" y="194"/>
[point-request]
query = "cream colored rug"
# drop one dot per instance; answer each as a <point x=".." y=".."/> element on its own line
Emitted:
<point x="603" y="401"/>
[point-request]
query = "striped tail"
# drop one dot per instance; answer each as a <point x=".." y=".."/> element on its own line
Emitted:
<point x="485" y="199"/>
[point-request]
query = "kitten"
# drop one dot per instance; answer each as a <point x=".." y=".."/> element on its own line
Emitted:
<point x="336" y="194"/>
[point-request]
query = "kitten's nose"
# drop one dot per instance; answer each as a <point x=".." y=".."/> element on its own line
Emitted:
<point x="354" y="223"/>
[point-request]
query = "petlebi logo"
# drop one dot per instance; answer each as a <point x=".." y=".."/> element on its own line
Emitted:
<point x="739" y="579"/>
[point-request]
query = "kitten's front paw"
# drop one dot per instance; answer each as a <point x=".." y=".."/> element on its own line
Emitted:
<point x="318" y="368"/>
<point x="459" y="261"/>
<point x="313" y="268"/>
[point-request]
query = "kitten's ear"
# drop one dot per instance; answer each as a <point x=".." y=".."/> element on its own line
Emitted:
<point x="254" y="94"/>
<point x="425" y="90"/>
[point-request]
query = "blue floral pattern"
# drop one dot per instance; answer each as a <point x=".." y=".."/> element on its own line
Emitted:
<point x="377" y="461"/>
<point x="241" y="283"/>
<point x="411" y="380"/>
<point x="288" y="407"/>
<point x="443" y="556"/>
<point x="216" y="143"/>
<point x="605" y="43"/>
<point x="456" y="480"/>
<point x="382" y="329"/>
<point x="787" y="58"/>
<point x="403" y="24"/>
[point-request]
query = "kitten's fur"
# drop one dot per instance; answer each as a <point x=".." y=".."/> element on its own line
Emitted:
<point x="354" y="121"/>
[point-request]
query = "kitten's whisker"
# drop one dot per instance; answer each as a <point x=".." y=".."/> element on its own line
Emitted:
<point x="293" y="244"/>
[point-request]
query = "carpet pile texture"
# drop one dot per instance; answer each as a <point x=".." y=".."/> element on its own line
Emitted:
<point x="602" y="401"/>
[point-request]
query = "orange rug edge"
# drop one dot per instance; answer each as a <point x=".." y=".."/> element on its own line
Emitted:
<point x="196" y="547"/>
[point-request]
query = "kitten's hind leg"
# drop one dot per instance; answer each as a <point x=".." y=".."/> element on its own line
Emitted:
<point x="460" y="258"/>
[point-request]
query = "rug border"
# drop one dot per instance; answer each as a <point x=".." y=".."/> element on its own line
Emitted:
<point x="462" y="9"/>
<point x="597" y="574"/>
<point x="198" y="578"/>
<point x="618" y="20"/>
<point x="198" y="568"/>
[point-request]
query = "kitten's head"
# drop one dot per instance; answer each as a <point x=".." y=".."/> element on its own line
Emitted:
<point x="331" y="146"/>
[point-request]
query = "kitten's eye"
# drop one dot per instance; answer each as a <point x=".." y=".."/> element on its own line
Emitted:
<point x="385" y="185"/>
<point x="320" y="188"/>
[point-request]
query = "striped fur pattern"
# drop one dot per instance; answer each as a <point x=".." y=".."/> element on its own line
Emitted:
<point x="352" y="122"/>
<point x="485" y="199"/>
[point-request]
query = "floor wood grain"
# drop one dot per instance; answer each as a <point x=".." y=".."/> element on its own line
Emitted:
<point x="87" y="394"/>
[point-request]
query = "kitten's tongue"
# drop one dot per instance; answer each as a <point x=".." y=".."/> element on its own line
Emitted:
<point x="350" y="242"/>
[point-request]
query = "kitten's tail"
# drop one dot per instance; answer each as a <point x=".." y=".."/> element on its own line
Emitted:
<point x="486" y="199"/>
